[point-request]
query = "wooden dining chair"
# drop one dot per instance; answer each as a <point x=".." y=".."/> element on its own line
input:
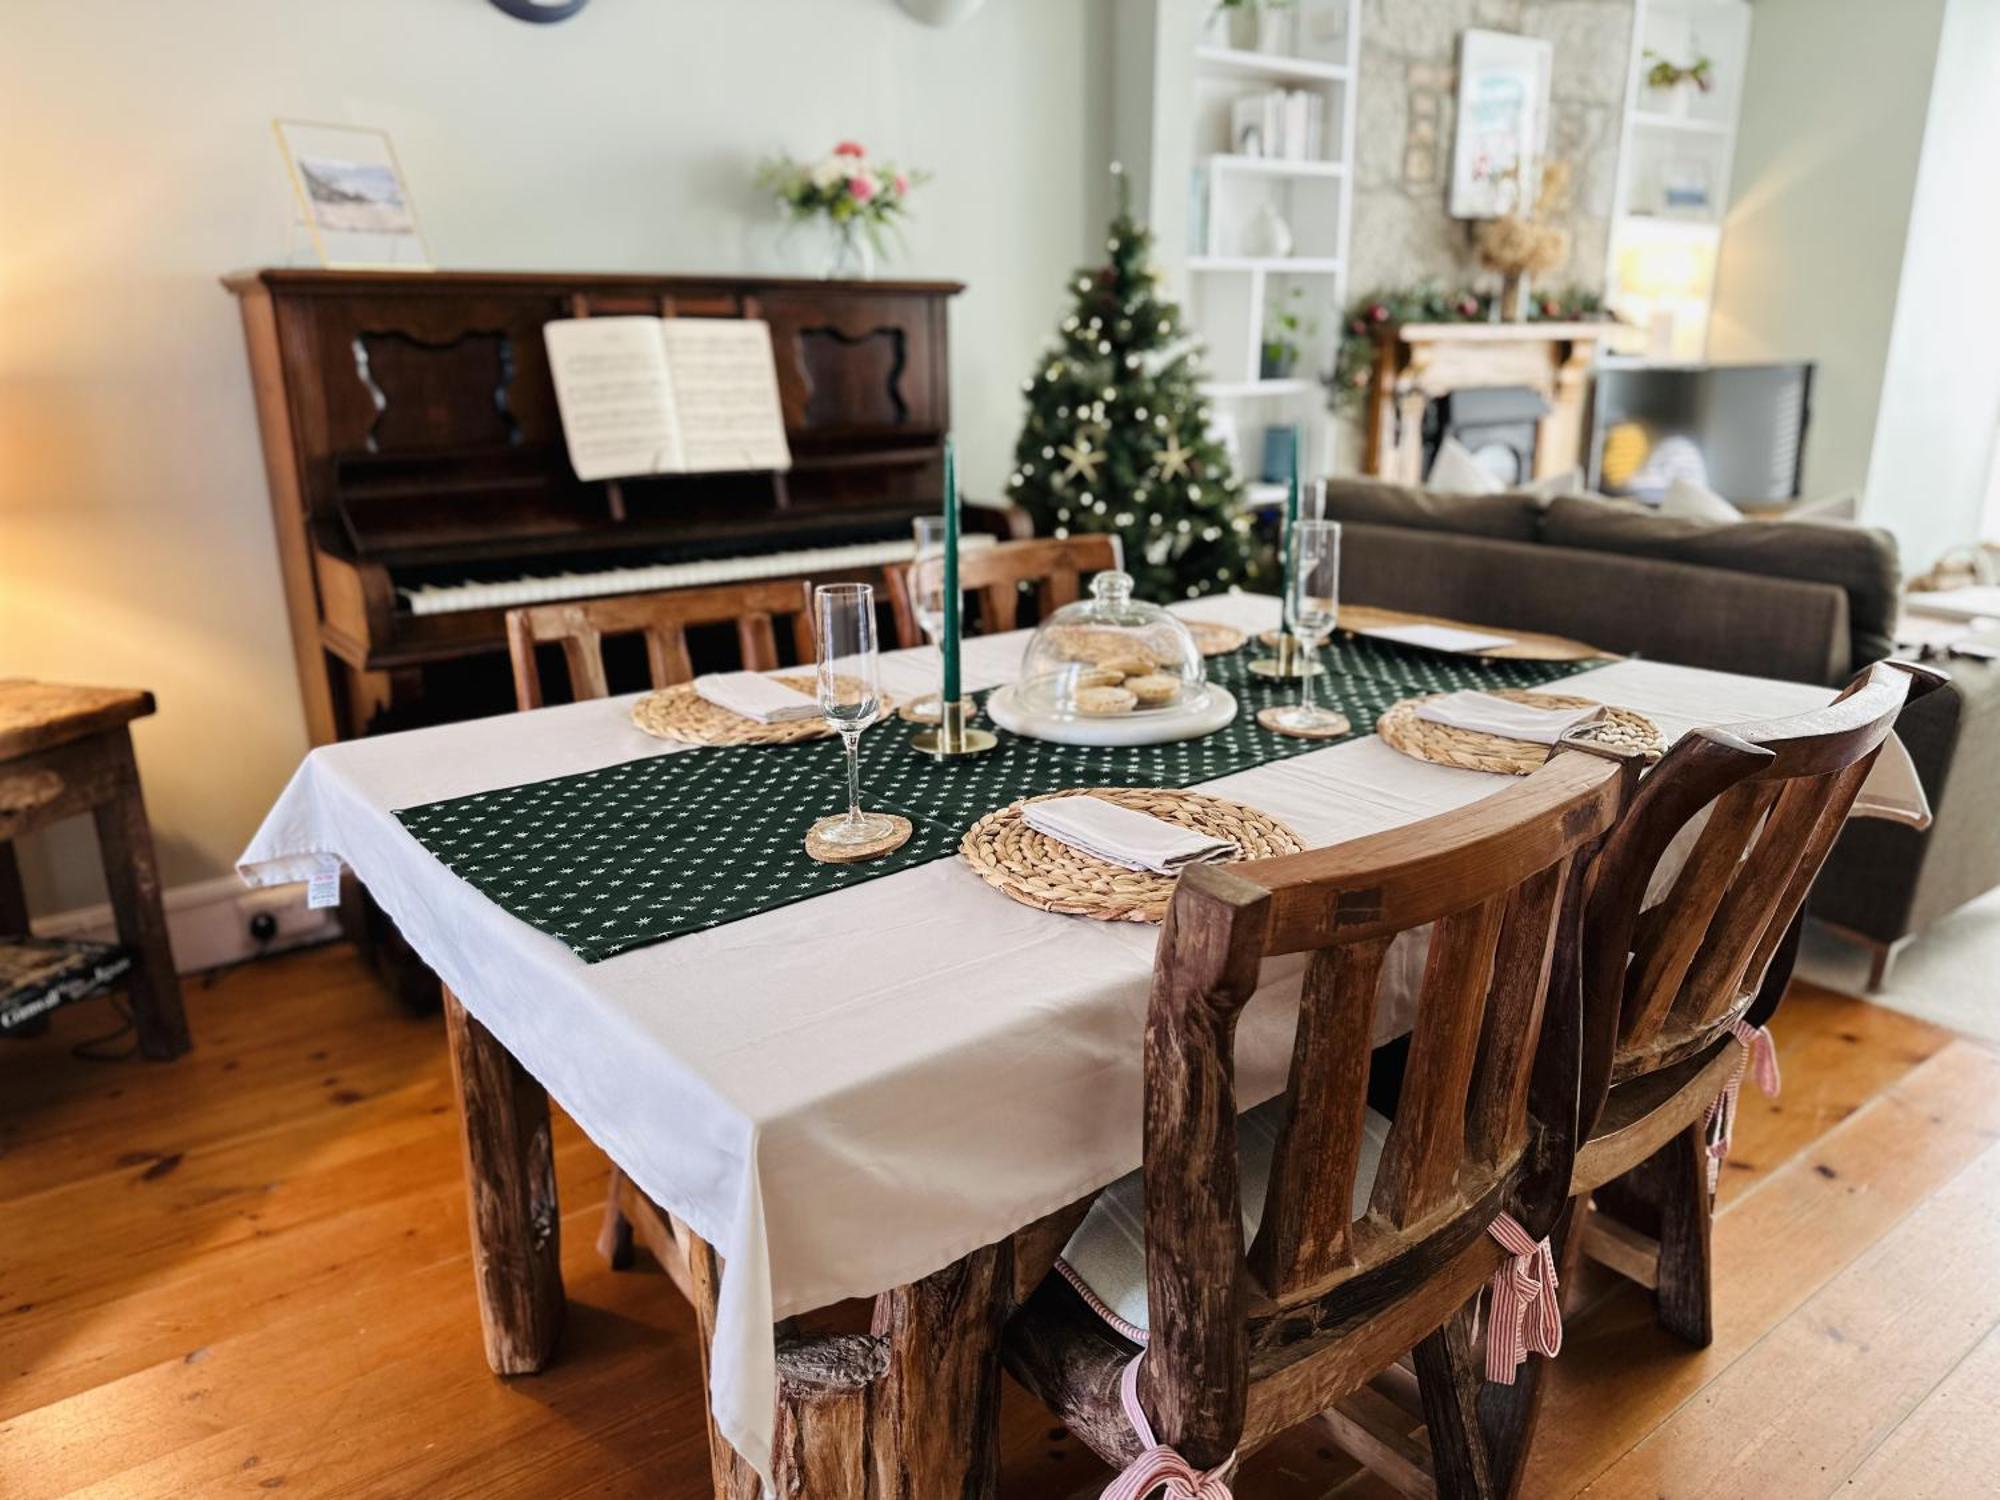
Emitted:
<point x="1054" y="566"/>
<point x="581" y="627"/>
<point x="1684" y="989"/>
<point x="1372" y="1235"/>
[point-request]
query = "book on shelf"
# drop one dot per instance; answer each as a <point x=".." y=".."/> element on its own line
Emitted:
<point x="1281" y="124"/>
<point x="644" y="395"/>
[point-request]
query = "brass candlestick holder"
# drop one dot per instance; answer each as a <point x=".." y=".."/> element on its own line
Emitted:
<point x="953" y="738"/>
<point x="1291" y="663"/>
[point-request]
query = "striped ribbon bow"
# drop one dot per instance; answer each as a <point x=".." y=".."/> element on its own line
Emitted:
<point x="1760" y="1061"/>
<point x="1526" y="1316"/>
<point x="1159" y="1467"/>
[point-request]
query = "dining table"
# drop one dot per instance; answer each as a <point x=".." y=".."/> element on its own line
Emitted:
<point x="846" y="1093"/>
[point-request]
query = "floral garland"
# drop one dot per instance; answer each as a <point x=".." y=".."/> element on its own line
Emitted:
<point x="1432" y="304"/>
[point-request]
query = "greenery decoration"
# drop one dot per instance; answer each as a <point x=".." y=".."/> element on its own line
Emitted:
<point x="1662" y="74"/>
<point x="1366" y="316"/>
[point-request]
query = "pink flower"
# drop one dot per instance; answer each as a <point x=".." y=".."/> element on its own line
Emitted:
<point x="849" y="148"/>
<point x="861" y="189"/>
<point x="902" y="184"/>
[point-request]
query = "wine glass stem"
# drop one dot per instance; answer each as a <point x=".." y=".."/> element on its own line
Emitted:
<point x="1306" y="665"/>
<point x="853" y="743"/>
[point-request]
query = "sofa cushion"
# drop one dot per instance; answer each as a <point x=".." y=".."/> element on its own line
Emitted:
<point x="1510" y="517"/>
<point x="1106" y="1258"/>
<point x="1858" y="560"/>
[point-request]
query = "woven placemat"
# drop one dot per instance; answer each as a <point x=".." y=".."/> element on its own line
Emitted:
<point x="1046" y="873"/>
<point x="1473" y="750"/>
<point x="1212" y="638"/>
<point x="680" y="713"/>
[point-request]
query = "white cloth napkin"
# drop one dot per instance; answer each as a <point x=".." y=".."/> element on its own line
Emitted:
<point x="755" y="696"/>
<point x="1486" y="714"/>
<point x="1892" y="791"/>
<point x="1439" y="637"/>
<point x="1119" y="836"/>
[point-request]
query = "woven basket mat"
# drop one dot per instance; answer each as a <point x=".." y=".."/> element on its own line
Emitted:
<point x="1046" y="873"/>
<point x="680" y="713"/>
<point x="1474" y="750"/>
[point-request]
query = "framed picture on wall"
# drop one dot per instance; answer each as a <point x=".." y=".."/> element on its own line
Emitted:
<point x="351" y="196"/>
<point x="1503" y="122"/>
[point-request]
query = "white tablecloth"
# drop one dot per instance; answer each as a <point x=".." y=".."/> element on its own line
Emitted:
<point x="849" y="1093"/>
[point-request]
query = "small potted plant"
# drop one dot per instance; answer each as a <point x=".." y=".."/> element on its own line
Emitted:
<point x="860" y="201"/>
<point x="1286" y="326"/>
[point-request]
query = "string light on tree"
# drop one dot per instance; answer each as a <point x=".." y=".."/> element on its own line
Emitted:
<point x="1118" y="423"/>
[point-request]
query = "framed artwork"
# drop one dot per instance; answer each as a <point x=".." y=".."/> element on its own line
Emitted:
<point x="1503" y="122"/>
<point x="351" y="196"/>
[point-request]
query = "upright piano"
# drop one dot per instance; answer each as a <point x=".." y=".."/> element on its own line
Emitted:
<point x="421" y="488"/>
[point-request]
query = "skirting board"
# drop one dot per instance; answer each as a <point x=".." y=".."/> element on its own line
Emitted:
<point x="208" y="922"/>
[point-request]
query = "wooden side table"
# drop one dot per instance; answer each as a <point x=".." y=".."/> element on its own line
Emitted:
<point x="68" y="750"/>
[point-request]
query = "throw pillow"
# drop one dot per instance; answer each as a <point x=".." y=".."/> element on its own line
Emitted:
<point x="1456" y="472"/>
<point x="1685" y="500"/>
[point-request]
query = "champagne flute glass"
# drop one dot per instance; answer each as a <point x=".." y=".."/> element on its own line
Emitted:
<point x="927" y="600"/>
<point x="1312" y="606"/>
<point x="850" y="694"/>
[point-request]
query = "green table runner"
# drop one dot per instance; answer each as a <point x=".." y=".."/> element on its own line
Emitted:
<point x="611" y="860"/>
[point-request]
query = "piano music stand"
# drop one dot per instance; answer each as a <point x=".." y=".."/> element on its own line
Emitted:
<point x="584" y="305"/>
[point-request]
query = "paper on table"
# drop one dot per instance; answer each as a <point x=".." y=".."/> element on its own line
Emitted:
<point x="1121" y="836"/>
<point x="1439" y="637"/>
<point x="755" y="696"/>
<point x="1486" y="714"/>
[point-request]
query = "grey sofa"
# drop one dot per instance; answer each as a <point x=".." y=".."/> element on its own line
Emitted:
<point x="1806" y="601"/>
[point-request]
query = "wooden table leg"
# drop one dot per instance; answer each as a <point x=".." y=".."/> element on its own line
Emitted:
<point x="510" y="1184"/>
<point x="126" y="841"/>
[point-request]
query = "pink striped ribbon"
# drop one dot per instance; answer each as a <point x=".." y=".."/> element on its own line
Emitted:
<point x="1526" y="1317"/>
<point x="1760" y="1060"/>
<point x="1158" y="1467"/>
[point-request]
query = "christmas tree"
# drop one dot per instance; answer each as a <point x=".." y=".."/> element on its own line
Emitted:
<point x="1117" y="437"/>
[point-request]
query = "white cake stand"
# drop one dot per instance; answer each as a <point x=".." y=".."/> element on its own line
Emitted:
<point x="1157" y="726"/>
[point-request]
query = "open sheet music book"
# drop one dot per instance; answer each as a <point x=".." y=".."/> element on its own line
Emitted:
<point x="667" y="395"/>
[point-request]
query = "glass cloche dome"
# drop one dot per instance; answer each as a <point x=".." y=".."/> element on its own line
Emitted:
<point x="1111" y="656"/>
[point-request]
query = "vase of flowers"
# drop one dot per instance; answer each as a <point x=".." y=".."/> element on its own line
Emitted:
<point x="859" y="202"/>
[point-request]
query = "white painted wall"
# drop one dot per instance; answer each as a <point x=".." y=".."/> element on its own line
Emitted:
<point x="1835" y="103"/>
<point x="1934" y="438"/>
<point x="138" y="164"/>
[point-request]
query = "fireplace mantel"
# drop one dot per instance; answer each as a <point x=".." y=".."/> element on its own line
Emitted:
<point x="1415" y="363"/>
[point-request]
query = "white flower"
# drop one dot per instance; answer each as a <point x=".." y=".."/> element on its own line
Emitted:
<point x="830" y="171"/>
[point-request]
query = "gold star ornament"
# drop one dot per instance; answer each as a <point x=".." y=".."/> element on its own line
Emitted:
<point x="1172" y="461"/>
<point x="1082" y="459"/>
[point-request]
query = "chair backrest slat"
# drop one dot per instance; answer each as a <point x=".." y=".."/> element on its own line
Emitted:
<point x="1661" y="964"/>
<point x="1421" y="1159"/>
<point x="1303" y="1237"/>
<point x="663" y="621"/>
<point x="1055" y="565"/>
<point x="1496" y="1121"/>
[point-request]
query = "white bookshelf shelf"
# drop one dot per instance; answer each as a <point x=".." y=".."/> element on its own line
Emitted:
<point x="1294" y="265"/>
<point x="1225" y="390"/>
<point x="1269" y="65"/>
<point x="1688" y="124"/>
<point x="1276" y="166"/>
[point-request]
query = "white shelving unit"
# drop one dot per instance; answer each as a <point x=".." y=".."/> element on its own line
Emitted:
<point x="1672" y="187"/>
<point x="1180" y="71"/>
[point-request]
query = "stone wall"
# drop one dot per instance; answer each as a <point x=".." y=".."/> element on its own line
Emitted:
<point x="1407" y="114"/>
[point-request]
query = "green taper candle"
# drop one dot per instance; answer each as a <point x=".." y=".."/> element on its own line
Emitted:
<point x="951" y="600"/>
<point x="1291" y="518"/>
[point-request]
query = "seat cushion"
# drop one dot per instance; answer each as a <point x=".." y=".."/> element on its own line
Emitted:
<point x="1106" y="1257"/>
<point x="1510" y="517"/>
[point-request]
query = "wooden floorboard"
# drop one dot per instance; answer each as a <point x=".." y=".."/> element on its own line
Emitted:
<point x="246" y="1272"/>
